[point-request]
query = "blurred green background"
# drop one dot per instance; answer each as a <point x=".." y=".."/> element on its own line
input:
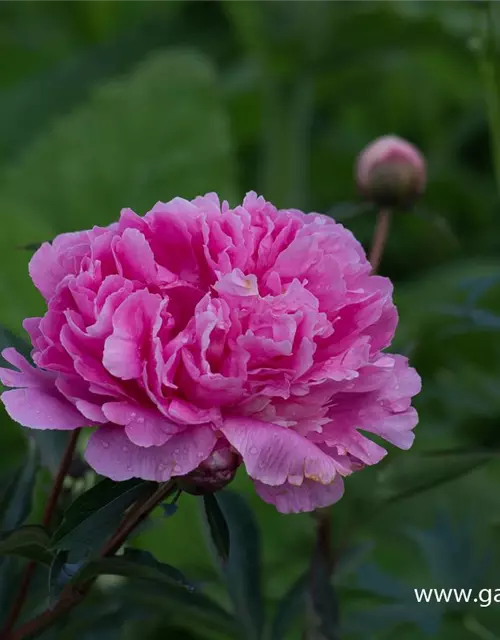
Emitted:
<point x="105" y="105"/>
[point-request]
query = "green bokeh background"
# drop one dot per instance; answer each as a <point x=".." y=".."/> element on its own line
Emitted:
<point x="105" y="105"/>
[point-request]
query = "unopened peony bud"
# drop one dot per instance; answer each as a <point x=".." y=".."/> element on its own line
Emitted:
<point x="391" y="172"/>
<point x="213" y="474"/>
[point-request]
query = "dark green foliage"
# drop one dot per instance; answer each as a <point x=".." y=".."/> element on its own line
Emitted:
<point x="30" y="541"/>
<point x="105" y="105"/>
<point x="96" y="514"/>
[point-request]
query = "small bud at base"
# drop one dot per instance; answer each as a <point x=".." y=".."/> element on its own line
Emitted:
<point x="213" y="474"/>
<point x="391" y="172"/>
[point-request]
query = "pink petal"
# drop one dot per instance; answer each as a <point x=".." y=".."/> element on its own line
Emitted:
<point x="132" y="327"/>
<point x="144" y="427"/>
<point x="110" y="453"/>
<point x="52" y="262"/>
<point x="91" y="411"/>
<point x="275" y="455"/>
<point x="135" y="256"/>
<point x="236" y="283"/>
<point x="27" y="376"/>
<point x="38" y="409"/>
<point x="309" y="496"/>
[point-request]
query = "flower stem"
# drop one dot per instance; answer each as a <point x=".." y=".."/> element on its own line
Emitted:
<point x="379" y="238"/>
<point x="73" y="595"/>
<point x="47" y="518"/>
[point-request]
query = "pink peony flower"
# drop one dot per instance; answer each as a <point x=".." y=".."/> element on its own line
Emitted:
<point x="199" y="333"/>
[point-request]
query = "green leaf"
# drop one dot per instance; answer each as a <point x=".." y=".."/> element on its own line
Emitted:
<point x="182" y="606"/>
<point x="350" y="559"/>
<point x="157" y="133"/>
<point x="402" y="607"/>
<point x="17" y="501"/>
<point x="61" y="572"/>
<point x="9" y="339"/>
<point x="134" y="563"/>
<point x="242" y="569"/>
<point x="94" y="516"/>
<point x="412" y="474"/>
<point x="453" y="552"/>
<point x="30" y="541"/>
<point x="217" y="526"/>
<point x="290" y="608"/>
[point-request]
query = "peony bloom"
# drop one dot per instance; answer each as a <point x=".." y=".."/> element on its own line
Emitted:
<point x="391" y="172"/>
<point x="198" y="334"/>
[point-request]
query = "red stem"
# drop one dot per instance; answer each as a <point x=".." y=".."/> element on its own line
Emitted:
<point x="71" y="594"/>
<point x="379" y="238"/>
<point x="46" y="520"/>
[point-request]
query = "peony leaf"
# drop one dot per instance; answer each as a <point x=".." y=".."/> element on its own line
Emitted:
<point x="94" y="516"/>
<point x="217" y="526"/>
<point x="409" y="475"/>
<point x="30" y="541"/>
<point x="61" y="572"/>
<point x="291" y="607"/>
<point x="9" y="339"/>
<point x="242" y="569"/>
<point x="134" y="563"/>
<point x="189" y="609"/>
<point x="402" y="607"/>
<point x="17" y="500"/>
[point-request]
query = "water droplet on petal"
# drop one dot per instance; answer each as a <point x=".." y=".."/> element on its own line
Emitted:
<point x="177" y="469"/>
<point x="253" y="451"/>
<point x="125" y="449"/>
<point x="133" y="414"/>
<point x="140" y="420"/>
<point x="105" y="445"/>
<point x="177" y="451"/>
<point x="129" y="467"/>
<point x="161" y="467"/>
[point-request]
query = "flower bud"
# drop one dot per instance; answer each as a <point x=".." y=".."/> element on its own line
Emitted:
<point x="391" y="172"/>
<point x="213" y="474"/>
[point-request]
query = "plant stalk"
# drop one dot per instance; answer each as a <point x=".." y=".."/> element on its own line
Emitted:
<point x="73" y="595"/>
<point x="379" y="238"/>
<point x="47" y="518"/>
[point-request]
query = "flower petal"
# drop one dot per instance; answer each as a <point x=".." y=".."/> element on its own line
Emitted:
<point x="27" y="376"/>
<point x="275" y="455"/>
<point x="309" y="496"/>
<point x="38" y="409"/>
<point x="132" y="327"/>
<point x="144" y="427"/>
<point x="110" y="453"/>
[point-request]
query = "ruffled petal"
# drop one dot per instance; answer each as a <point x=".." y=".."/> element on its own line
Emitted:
<point x="112" y="454"/>
<point x="144" y="427"/>
<point x="27" y="376"/>
<point x="132" y="327"/>
<point x="275" y="455"/>
<point x="38" y="409"/>
<point x="311" y="495"/>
